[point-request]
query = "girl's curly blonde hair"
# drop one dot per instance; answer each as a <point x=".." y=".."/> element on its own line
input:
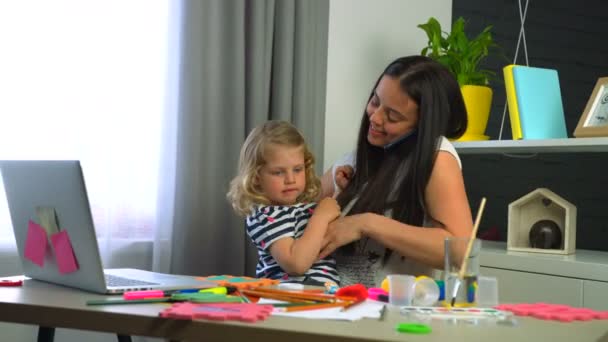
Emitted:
<point x="244" y="194"/>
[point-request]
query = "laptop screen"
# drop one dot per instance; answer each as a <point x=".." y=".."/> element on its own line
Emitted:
<point x="33" y="187"/>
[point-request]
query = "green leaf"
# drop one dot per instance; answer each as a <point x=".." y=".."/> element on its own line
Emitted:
<point x="461" y="55"/>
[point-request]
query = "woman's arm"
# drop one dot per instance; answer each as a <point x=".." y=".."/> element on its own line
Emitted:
<point x="447" y="205"/>
<point x="296" y="256"/>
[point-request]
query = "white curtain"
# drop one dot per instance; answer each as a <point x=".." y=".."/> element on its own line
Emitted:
<point x="89" y="80"/>
<point x="243" y="62"/>
<point x="99" y="81"/>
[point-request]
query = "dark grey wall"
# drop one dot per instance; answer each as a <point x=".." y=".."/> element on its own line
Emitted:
<point x="578" y="178"/>
<point x="569" y="36"/>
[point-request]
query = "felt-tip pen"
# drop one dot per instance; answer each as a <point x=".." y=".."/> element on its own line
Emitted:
<point x="130" y="295"/>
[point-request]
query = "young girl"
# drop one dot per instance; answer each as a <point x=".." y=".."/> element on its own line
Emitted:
<point x="275" y="188"/>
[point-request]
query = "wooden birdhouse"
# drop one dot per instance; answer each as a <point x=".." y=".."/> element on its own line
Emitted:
<point x="542" y="222"/>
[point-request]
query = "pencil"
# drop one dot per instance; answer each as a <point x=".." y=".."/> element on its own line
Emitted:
<point x="353" y="303"/>
<point x="306" y="294"/>
<point x="382" y="313"/>
<point x="298" y="295"/>
<point x="243" y="297"/>
<point x="294" y="292"/>
<point x="276" y="296"/>
<point x="314" y="306"/>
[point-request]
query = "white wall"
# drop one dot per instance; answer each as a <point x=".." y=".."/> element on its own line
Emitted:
<point x="364" y="36"/>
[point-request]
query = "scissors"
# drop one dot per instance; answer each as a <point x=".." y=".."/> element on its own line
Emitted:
<point x="11" y="282"/>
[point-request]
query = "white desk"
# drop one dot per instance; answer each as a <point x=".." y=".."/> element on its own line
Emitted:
<point x="43" y="304"/>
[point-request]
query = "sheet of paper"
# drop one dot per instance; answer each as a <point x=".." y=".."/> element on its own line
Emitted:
<point x="367" y="309"/>
<point x="64" y="254"/>
<point x="35" y="243"/>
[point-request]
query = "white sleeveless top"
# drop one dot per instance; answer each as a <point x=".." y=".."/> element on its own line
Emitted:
<point x="365" y="265"/>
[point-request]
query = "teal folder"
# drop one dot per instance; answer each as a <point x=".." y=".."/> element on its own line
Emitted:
<point x="539" y="101"/>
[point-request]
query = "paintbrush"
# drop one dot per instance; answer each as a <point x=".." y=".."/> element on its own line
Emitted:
<point x="463" y="267"/>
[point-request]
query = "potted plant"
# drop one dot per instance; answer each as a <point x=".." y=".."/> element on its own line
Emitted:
<point x="462" y="56"/>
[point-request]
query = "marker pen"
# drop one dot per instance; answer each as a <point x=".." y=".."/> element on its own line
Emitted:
<point x="130" y="295"/>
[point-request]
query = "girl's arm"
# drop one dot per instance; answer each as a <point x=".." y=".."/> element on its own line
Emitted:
<point x="447" y="205"/>
<point x="296" y="256"/>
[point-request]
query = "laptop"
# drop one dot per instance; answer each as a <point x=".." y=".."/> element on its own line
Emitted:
<point x="59" y="184"/>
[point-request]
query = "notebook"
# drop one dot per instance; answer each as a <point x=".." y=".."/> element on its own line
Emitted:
<point x="60" y="185"/>
<point x="539" y="103"/>
<point x="512" y="102"/>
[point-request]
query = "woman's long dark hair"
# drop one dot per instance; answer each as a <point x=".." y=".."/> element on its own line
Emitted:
<point x="395" y="178"/>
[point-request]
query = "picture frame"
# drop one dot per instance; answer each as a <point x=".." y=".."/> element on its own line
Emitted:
<point x="594" y="120"/>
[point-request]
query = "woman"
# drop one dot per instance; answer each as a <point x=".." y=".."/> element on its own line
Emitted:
<point x="402" y="190"/>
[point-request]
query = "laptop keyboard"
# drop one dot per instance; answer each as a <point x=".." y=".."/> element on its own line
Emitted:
<point x="112" y="280"/>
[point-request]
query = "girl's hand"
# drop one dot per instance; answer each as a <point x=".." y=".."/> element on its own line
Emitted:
<point x="328" y="209"/>
<point x="343" y="175"/>
<point x="342" y="232"/>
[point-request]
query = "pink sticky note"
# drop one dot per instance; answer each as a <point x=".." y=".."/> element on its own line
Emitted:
<point x="64" y="254"/>
<point x="35" y="243"/>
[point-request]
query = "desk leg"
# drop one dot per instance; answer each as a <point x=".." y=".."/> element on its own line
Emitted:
<point x="46" y="334"/>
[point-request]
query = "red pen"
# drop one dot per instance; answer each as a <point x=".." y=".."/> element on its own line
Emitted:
<point x="11" y="282"/>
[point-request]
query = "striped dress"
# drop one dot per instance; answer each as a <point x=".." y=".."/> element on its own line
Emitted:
<point x="267" y="224"/>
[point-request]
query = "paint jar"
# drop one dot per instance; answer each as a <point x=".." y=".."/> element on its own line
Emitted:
<point x="463" y="289"/>
<point x="426" y="292"/>
<point x="405" y="290"/>
<point x="401" y="289"/>
<point x="487" y="292"/>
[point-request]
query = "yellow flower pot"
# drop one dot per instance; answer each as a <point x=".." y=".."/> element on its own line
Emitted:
<point x="477" y="100"/>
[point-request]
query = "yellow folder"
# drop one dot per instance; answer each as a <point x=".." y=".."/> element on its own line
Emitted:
<point x="512" y="102"/>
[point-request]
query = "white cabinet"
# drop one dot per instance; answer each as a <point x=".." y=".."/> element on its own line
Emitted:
<point x="524" y="287"/>
<point x="595" y="295"/>
<point x="579" y="280"/>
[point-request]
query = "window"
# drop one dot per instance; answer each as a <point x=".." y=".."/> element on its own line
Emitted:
<point x="87" y="80"/>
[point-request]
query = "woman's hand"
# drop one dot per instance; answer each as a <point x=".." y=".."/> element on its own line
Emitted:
<point x="343" y="175"/>
<point x="342" y="232"/>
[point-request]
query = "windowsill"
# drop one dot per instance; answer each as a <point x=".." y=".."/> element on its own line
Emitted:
<point x="9" y="260"/>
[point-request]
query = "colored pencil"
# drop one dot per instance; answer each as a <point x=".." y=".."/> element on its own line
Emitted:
<point x="321" y="297"/>
<point x="382" y="313"/>
<point x="276" y="296"/>
<point x="296" y="295"/>
<point x="351" y="304"/>
<point x="243" y="297"/>
<point x="314" y="306"/>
